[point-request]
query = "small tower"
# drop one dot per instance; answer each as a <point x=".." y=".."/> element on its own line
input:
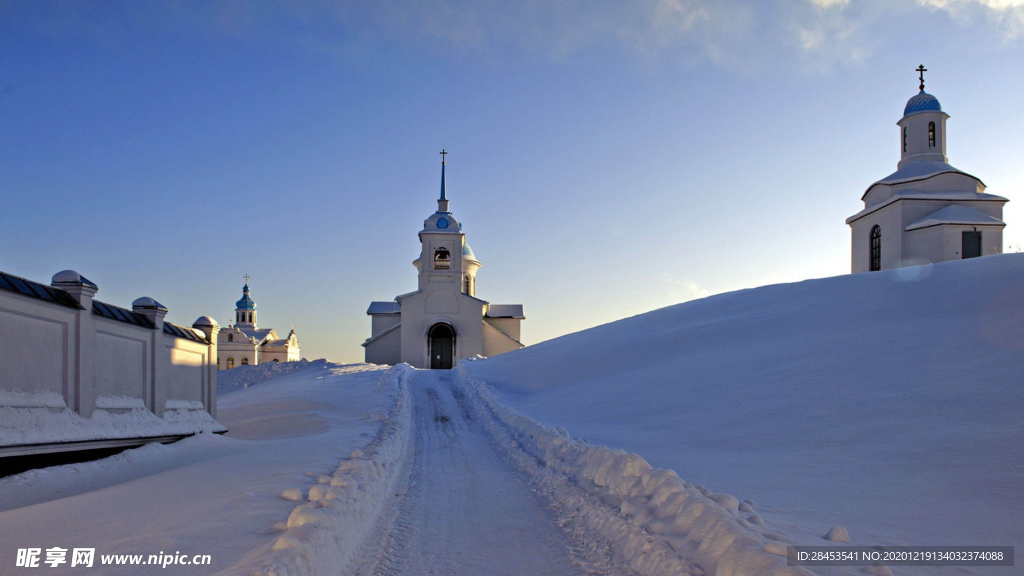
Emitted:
<point x="922" y="128"/>
<point x="443" y="255"/>
<point x="245" y="309"/>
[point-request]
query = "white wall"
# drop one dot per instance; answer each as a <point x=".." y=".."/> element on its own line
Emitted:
<point x="386" y="349"/>
<point x="75" y="363"/>
<point x="37" y="354"/>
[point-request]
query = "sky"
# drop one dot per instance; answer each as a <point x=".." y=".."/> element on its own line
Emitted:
<point x="606" y="158"/>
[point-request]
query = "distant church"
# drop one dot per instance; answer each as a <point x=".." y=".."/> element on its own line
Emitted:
<point x="245" y="343"/>
<point x="443" y="321"/>
<point x="925" y="211"/>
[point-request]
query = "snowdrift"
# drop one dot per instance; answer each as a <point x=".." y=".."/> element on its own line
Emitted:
<point x="888" y="402"/>
<point x="652" y="521"/>
<point x="334" y="516"/>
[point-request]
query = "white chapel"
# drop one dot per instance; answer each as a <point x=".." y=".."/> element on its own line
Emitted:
<point x="443" y="321"/>
<point x="927" y="210"/>
<point x="245" y="343"/>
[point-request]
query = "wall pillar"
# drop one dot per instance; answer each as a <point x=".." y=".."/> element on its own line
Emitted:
<point x="209" y="327"/>
<point x="80" y="394"/>
<point x="159" y="357"/>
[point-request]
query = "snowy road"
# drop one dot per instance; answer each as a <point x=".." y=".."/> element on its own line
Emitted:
<point x="461" y="508"/>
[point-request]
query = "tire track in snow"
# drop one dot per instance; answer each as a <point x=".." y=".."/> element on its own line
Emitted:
<point x="464" y="509"/>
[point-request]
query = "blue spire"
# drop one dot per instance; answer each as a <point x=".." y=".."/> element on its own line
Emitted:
<point x="443" y="153"/>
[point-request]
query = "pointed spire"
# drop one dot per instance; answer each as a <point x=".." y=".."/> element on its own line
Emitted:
<point x="443" y="154"/>
<point x="442" y="202"/>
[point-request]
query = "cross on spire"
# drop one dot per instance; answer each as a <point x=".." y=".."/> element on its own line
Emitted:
<point x="921" y="70"/>
<point x="246" y="279"/>
<point x="443" y="193"/>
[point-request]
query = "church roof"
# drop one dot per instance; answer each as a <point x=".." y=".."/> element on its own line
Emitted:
<point x="956" y="214"/>
<point x="384" y="308"/>
<point x="946" y="196"/>
<point x="922" y="102"/>
<point x="259" y="335"/>
<point x="467" y="251"/>
<point x="921" y="169"/>
<point x="505" y="311"/>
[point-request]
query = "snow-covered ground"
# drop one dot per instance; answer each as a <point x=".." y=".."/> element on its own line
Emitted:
<point x="217" y="495"/>
<point x="889" y="403"/>
<point x="696" y="439"/>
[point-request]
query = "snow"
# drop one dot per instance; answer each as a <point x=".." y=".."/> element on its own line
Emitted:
<point x="887" y="402"/>
<point x="325" y="532"/>
<point x="652" y="521"/>
<point x="114" y="417"/>
<point x="463" y="509"/>
<point x="875" y="409"/>
<point x="208" y="494"/>
<point x="919" y="169"/>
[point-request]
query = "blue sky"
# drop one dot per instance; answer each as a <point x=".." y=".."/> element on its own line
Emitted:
<point x="606" y="158"/>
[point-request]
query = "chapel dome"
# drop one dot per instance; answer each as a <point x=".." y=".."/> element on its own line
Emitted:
<point x="246" y="303"/>
<point x="922" y="102"/>
<point x="467" y="252"/>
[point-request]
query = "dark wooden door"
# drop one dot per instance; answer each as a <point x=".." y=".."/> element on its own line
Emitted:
<point x="442" y="347"/>
<point x="971" y="245"/>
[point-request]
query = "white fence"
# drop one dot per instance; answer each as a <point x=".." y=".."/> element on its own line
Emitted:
<point x="77" y="373"/>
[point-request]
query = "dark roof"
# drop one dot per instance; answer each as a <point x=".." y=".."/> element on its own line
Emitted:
<point x="37" y="290"/>
<point x="120" y="314"/>
<point x="182" y="332"/>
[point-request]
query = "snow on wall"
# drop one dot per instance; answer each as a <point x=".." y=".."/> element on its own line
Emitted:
<point x="20" y="425"/>
<point x="324" y="532"/>
<point x="650" y="518"/>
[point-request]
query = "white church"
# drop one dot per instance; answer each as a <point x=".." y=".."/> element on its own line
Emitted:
<point x="927" y="210"/>
<point x="442" y="321"/>
<point x="245" y="343"/>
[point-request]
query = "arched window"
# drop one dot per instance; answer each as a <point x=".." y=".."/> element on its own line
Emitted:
<point x="275" y="360"/>
<point x="245" y="361"/>
<point x="876" y="248"/>
<point x="231" y="362"/>
<point x="231" y="337"/>
<point x="465" y="284"/>
<point x="904" y="138"/>
<point x="931" y="134"/>
<point x="442" y="259"/>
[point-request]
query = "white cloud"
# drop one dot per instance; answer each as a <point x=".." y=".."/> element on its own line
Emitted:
<point x="1008" y="15"/>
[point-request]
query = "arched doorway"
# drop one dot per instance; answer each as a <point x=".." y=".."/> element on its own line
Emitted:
<point x="441" y="341"/>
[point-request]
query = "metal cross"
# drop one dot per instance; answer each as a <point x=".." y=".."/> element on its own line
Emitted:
<point x="921" y="70"/>
<point x="247" y="279"/>
<point x="443" y="154"/>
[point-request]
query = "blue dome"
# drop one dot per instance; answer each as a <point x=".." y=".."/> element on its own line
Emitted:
<point x="468" y="252"/>
<point x="922" y="102"/>
<point x="246" y="303"/>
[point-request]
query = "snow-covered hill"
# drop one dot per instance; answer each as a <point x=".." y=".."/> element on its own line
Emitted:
<point x="890" y="403"/>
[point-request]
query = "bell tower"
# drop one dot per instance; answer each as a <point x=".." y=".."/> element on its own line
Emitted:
<point x="245" y="309"/>
<point x="440" y="263"/>
<point x="922" y="128"/>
